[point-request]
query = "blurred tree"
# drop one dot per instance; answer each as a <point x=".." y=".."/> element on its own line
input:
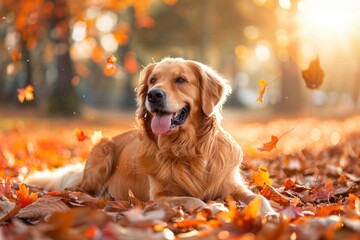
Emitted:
<point x="63" y="99"/>
<point x="50" y="22"/>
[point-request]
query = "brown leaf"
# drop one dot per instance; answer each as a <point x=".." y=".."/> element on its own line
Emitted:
<point x="43" y="207"/>
<point x="313" y="75"/>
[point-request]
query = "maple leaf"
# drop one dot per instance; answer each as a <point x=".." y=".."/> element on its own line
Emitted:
<point x="23" y="197"/>
<point x="261" y="177"/>
<point x="26" y="93"/>
<point x="313" y="75"/>
<point x="81" y="135"/>
<point x="263" y="84"/>
<point x="269" y="145"/>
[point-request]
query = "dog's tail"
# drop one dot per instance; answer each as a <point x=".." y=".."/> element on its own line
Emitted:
<point x="92" y="178"/>
<point x="67" y="177"/>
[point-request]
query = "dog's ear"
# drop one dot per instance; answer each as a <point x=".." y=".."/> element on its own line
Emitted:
<point x="213" y="90"/>
<point x="141" y="92"/>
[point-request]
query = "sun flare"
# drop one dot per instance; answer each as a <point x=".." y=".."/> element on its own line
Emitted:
<point x="329" y="17"/>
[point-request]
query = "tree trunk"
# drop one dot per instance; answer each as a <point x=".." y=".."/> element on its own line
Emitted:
<point x="64" y="99"/>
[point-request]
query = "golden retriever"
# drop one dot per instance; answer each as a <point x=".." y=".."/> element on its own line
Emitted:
<point x="179" y="148"/>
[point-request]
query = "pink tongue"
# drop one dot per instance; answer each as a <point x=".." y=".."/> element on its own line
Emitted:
<point x="160" y="124"/>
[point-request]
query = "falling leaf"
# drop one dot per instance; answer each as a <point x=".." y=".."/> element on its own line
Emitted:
<point x="96" y="137"/>
<point x="15" y="55"/>
<point x="261" y="91"/>
<point x="81" y="135"/>
<point x="112" y="59"/>
<point x="261" y="177"/>
<point x="26" y="93"/>
<point x="109" y="69"/>
<point x="269" y="145"/>
<point x="23" y="197"/>
<point x="314" y="75"/>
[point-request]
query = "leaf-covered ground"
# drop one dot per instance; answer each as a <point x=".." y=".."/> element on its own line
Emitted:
<point x="311" y="178"/>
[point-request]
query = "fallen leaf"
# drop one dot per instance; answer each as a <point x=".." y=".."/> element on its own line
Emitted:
<point x="313" y="75"/>
<point x="252" y="210"/>
<point x="327" y="210"/>
<point x="271" y="193"/>
<point x="43" y="207"/>
<point x="24" y="198"/>
<point x="261" y="177"/>
<point x="261" y="91"/>
<point x="269" y="145"/>
<point x="26" y="93"/>
<point x="5" y="208"/>
<point x="291" y="212"/>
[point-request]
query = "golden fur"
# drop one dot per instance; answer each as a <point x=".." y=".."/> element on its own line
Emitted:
<point x="197" y="159"/>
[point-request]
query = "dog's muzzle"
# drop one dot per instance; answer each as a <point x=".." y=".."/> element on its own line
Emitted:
<point x="163" y="121"/>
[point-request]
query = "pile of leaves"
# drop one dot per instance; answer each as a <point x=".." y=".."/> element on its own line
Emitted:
<point x="313" y="183"/>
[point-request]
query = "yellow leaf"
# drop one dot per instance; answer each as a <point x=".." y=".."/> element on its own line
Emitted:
<point x="251" y="211"/>
<point x="261" y="177"/>
<point x="261" y="91"/>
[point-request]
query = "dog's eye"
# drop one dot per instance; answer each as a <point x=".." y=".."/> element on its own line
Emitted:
<point x="180" y="80"/>
<point x="152" y="80"/>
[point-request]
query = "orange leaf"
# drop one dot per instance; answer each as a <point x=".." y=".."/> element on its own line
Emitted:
<point x="269" y="145"/>
<point x="327" y="210"/>
<point x="261" y="177"/>
<point x="251" y="211"/>
<point x="289" y="183"/>
<point x="261" y="91"/>
<point x="112" y="59"/>
<point x="271" y="193"/>
<point x="314" y="75"/>
<point x="26" y="93"/>
<point x="81" y="135"/>
<point x="109" y="69"/>
<point x="23" y="196"/>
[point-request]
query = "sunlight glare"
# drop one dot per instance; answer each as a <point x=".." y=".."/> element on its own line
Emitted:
<point x="329" y="16"/>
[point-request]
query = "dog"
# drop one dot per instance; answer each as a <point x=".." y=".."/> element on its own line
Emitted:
<point x="179" y="147"/>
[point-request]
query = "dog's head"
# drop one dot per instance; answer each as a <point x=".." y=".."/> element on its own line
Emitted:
<point x="175" y="93"/>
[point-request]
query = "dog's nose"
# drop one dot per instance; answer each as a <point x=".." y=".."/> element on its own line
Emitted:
<point x="156" y="95"/>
